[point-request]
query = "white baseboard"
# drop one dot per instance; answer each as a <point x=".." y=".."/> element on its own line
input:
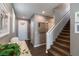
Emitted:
<point x="39" y="45"/>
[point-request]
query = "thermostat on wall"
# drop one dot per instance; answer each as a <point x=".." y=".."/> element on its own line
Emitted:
<point x="76" y="27"/>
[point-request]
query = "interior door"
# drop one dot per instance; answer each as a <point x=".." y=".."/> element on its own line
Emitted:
<point x="23" y="30"/>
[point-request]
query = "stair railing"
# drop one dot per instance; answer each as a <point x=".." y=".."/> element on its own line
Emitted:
<point x="54" y="31"/>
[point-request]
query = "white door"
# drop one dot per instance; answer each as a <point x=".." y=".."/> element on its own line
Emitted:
<point x="23" y="30"/>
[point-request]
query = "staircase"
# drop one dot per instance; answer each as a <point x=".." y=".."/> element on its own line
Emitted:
<point x="61" y="46"/>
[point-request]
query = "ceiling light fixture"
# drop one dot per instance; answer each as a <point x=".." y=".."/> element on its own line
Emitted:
<point x="43" y="12"/>
<point x="23" y="17"/>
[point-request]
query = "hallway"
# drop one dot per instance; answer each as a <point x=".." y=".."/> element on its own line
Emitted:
<point x="37" y="25"/>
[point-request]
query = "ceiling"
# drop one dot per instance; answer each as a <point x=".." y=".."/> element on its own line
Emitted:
<point x="26" y="10"/>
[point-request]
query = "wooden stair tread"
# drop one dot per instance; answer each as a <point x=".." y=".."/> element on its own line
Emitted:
<point x="63" y="45"/>
<point x="64" y="40"/>
<point x="54" y="52"/>
<point x="67" y="27"/>
<point x="64" y="36"/>
<point x="61" y="50"/>
<point x="65" y="33"/>
<point x="66" y="30"/>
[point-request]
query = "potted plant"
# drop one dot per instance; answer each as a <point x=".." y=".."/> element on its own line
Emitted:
<point x="9" y="49"/>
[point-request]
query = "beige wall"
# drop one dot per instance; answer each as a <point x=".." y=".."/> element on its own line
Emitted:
<point x="60" y="11"/>
<point x="51" y="22"/>
<point x="74" y="37"/>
